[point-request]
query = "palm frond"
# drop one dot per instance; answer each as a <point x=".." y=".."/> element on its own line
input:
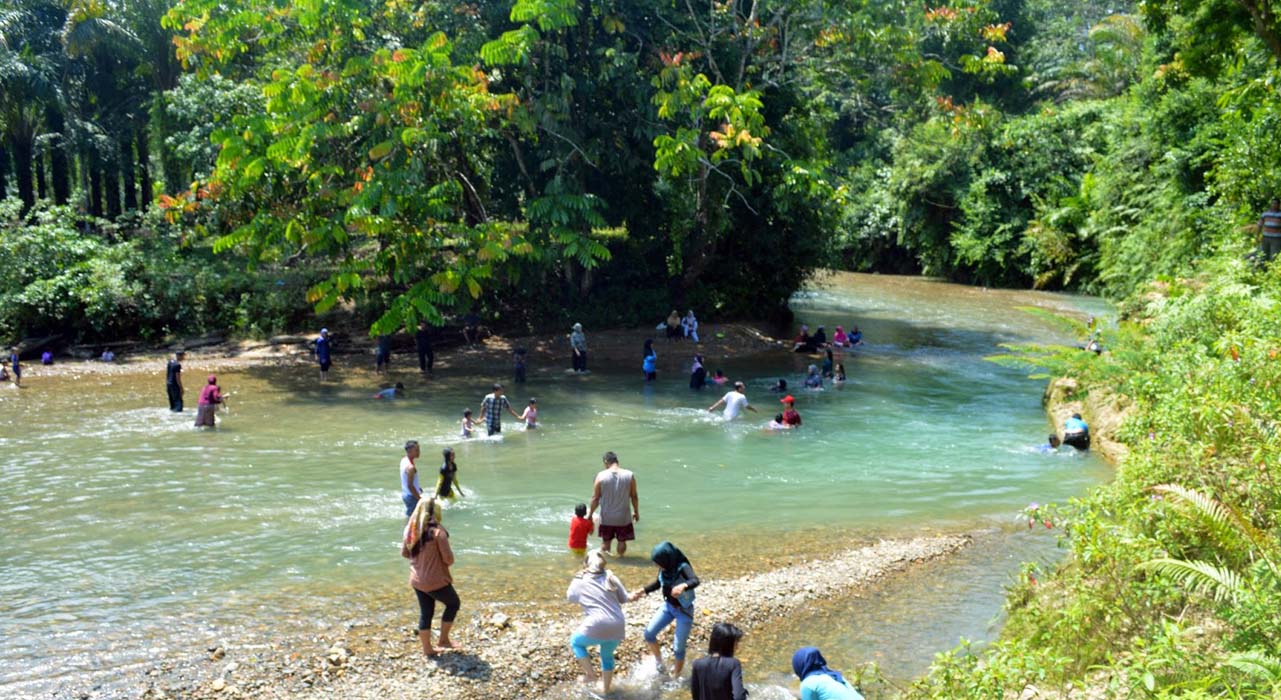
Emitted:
<point x="1221" y="583"/>
<point x="1257" y="664"/>
<point x="1224" y="519"/>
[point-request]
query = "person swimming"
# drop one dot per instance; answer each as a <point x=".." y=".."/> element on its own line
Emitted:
<point x="814" y="380"/>
<point x="780" y="387"/>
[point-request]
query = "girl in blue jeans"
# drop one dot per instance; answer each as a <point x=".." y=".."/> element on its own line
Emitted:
<point x="677" y="580"/>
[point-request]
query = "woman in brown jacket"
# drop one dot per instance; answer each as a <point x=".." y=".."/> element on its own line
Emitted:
<point x="426" y="546"/>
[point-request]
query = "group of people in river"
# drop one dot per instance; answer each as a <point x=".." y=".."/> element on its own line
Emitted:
<point x="613" y="512"/>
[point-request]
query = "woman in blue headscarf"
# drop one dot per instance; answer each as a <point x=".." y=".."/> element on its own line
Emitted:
<point x="818" y="682"/>
<point x="677" y="580"/>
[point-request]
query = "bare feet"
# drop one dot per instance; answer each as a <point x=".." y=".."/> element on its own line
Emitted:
<point x="447" y="644"/>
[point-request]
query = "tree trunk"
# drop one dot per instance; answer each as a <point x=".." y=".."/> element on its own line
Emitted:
<point x="111" y="186"/>
<point x="95" y="185"/>
<point x="144" y="167"/>
<point x="22" y="156"/>
<point x="170" y="168"/>
<point x="4" y="171"/>
<point x="59" y="165"/>
<point x="126" y="170"/>
<point x="41" y="191"/>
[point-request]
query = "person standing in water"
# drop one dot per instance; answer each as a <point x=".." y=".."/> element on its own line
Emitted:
<point x="734" y="402"/>
<point x="818" y="682"/>
<point x="447" y="481"/>
<point x="790" y="416"/>
<point x="422" y="343"/>
<point x="649" y="361"/>
<point x="614" y="492"/>
<point x="530" y="415"/>
<point x="1076" y="433"/>
<point x="210" y="398"/>
<point x="410" y="492"/>
<point x="15" y="362"/>
<point x="677" y="581"/>
<point x="578" y="345"/>
<point x="719" y="676"/>
<point x="426" y="545"/>
<point x="602" y="596"/>
<point x="323" y="357"/>
<point x="173" y="381"/>
<point x="491" y="407"/>
<point x="698" y="374"/>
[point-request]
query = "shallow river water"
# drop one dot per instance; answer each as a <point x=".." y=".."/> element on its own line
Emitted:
<point x="129" y="535"/>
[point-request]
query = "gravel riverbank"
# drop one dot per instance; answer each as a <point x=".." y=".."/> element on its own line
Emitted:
<point x="511" y="651"/>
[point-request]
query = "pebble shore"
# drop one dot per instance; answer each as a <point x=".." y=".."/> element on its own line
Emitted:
<point x="509" y="652"/>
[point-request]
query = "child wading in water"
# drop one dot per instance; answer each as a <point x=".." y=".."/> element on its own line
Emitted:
<point x="467" y="424"/>
<point x="677" y="580"/>
<point x="580" y="526"/>
<point x="530" y="415"/>
<point x="447" y="482"/>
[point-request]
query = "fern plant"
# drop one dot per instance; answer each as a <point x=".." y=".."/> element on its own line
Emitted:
<point x="1246" y="590"/>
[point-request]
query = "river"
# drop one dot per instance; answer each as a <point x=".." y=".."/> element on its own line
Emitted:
<point x="129" y="536"/>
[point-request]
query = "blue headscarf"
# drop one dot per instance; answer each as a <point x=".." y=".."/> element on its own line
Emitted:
<point x="667" y="556"/>
<point x="808" y="660"/>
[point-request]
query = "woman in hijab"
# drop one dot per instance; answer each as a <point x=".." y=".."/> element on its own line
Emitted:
<point x="426" y="546"/>
<point x="677" y="581"/>
<point x="210" y="397"/>
<point x="602" y="596"/>
<point x="814" y="380"/>
<point x="818" y="682"/>
<point x="698" y="374"/>
<point x="578" y="341"/>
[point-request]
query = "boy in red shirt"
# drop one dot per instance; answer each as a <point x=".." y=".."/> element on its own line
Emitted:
<point x="579" y="528"/>
<point x="790" y="416"/>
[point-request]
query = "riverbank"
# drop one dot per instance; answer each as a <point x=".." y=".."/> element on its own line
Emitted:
<point x="509" y="652"/>
<point x="1103" y="410"/>
<point x="546" y="353"/>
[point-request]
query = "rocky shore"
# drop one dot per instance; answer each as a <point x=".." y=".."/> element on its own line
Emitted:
<point x="514" y="651"/>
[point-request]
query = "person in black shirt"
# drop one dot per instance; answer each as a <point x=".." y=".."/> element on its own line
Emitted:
<point x="426" y="357"/>
<point x="173" y="381"/>
<point x="719" y="676"/>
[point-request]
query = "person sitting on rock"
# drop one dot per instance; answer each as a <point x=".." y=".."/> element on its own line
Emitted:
<point x="1076" y="433"/>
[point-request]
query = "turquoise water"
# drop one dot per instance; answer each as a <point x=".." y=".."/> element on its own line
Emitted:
<point x="124" y="525"/>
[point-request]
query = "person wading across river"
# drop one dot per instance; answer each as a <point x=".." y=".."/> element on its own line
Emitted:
<point x="173" y="381"/>
<point x="210" y="398"/>
<point x="410" y="491"/>
<point x="602" y="596"/>
<point x="615" y="494"/>
<point x="491" y="407"/>
<point x="734" y="402"/>
<point x="426" y="546"/>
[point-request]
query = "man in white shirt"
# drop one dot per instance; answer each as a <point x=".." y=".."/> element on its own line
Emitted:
<point x="734" y="402"/>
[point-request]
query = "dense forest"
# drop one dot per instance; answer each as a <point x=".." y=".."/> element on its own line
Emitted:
<point x="171" y="168"/>
<point x="181" y="167"/>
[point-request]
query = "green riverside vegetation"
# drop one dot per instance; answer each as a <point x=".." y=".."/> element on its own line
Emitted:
<point x="180" y="167"/>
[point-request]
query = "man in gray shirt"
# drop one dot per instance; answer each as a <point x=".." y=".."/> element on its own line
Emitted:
<point x="615" y="494"/>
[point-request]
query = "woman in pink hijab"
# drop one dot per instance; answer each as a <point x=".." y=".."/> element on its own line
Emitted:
<point x="210" y="397"/>
<point x="839" y="339"/>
